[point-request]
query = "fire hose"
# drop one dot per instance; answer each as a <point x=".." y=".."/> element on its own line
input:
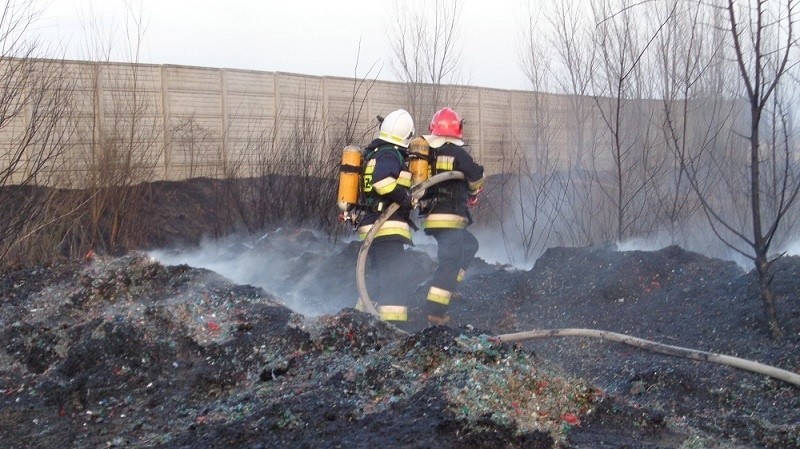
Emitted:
<point x="418" y="190"/>
<point x="677" y="351"/>
<point x="416" y="193"/>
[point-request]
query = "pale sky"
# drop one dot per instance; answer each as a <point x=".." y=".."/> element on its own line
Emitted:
<point x="315" y="37"/>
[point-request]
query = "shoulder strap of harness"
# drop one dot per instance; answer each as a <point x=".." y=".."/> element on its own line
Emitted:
<point x="372" y="154"/>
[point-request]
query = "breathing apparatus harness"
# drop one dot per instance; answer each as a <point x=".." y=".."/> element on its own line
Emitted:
<point x="354" y="185"/>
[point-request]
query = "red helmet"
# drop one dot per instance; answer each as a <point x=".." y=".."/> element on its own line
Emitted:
<point x="446" y="123"/>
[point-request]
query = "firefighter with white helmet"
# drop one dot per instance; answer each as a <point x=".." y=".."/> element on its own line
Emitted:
<point x="446" y="210"/>
<point x="386" y="180"/>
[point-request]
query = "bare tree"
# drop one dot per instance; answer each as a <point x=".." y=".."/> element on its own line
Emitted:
<point x="195" y="141"/>
<point x="621" y="91"/>
<point x="681" y="51"/>
<point x="764" y="47"/>
<point x="126" y="131"/>
<point x="575" y="58"/>
<point x="256" y="192"/>
<point x="34" y="100"/>
<point x="530" y="195"/>
<point x="698" y="117"/>
<point x="427" y="53"/>
<point x="745" y="193"/>
<point x="659" y="165"/>
<point x="348" y="127"/>
<point x="585" y="217"/>
<point x="287" y="173"/>
<point x="282" y="169"/>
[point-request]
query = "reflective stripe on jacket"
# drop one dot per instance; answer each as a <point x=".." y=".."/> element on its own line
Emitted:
<point x="387" y="184"/>
<point x="445" y="221"/>
<point x="391" y="227"/>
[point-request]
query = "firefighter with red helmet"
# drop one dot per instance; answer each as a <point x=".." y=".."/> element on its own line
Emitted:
<point x="446" y="211"/>
<point x="386" y="180"/>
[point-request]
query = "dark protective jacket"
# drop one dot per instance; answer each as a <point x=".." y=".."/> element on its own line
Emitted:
<point x="386" y="180"/>
<point x="446" y="202"/>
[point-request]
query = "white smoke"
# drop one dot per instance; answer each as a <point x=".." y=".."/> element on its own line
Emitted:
<point x="291" y="263"/>
<point x="793" y="248"/>
<point x="643" y="244"/>
<point x="495" y="250"/>
<point x="275" y="262"/>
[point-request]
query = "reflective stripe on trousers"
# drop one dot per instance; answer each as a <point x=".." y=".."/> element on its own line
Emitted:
<point x="387" y="313"/>
<point x="439" y="295"/>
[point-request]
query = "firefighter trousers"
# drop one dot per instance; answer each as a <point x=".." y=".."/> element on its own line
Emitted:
<point x="387" y="281"/>
<point x="455" y="250"/>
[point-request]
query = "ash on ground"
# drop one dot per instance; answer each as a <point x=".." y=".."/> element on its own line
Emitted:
<point x="131" y="352"/>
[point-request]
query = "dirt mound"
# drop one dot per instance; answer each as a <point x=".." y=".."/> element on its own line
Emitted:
<point x="127" y="352"/>
<point x="670" y="296"/>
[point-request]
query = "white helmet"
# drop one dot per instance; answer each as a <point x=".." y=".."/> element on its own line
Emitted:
<point x="397" y="128"/>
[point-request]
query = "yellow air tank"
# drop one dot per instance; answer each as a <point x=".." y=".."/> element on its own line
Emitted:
<point x="418" y="150"/>
<point x="349" y="177"/>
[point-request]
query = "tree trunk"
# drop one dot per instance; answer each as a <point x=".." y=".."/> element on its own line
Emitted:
<point x="761" y="245"/>
<point x="768" y="296"/>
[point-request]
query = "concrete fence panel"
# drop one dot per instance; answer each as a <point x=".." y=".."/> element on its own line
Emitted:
<point x="195" y="121"/>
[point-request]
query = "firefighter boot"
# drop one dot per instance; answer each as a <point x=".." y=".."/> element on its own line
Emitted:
<point x="436" y="313"/>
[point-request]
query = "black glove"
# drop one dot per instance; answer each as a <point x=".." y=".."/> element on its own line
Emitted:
<point x="407" y="202"/>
